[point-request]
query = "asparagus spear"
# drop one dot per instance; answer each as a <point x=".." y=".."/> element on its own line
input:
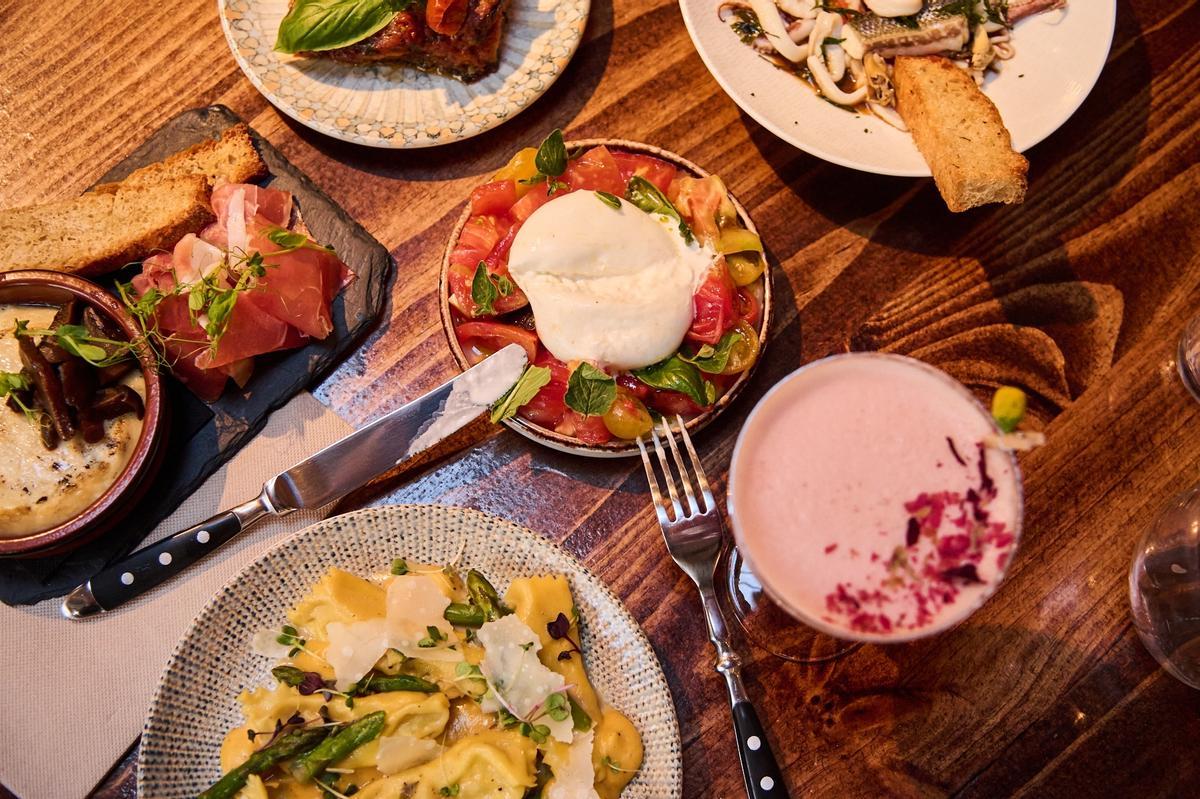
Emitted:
<point x="484" y="595"/>
<point x="464" y="615"/>
<point x="338" y="746"/>
<point x="282" y="748"/>
<point x="381" y="684"/>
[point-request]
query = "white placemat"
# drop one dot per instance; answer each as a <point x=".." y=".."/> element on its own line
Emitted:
<point x="75" y="693"/>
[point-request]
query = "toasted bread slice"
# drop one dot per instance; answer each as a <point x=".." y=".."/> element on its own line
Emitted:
<point x="959" y="132"/>
<point x="100" y="232"/>
<point x="231" y="159"/>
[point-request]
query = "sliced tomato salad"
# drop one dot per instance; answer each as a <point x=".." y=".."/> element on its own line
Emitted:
<point x="489" y="309"/>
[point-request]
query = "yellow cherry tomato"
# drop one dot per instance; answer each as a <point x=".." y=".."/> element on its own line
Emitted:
<point x="628" y="417"/>
<point x="738" y="239"/>
<point x="520" y="167"/>
<point x="744" y="352"/>
<point x="745" y="267"/>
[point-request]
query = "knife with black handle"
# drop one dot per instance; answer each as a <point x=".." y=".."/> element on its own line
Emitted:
<point x="316" y="481"/>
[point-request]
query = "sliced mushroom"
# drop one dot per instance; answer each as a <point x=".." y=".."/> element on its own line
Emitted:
<point x="67" y="314"/>
<point x="116" y="401"/>
<point x="79" y="390"/>
<point x="48" y="388"/>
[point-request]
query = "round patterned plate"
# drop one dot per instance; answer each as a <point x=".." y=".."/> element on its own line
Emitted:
<point x="195" y="703"/>
<point x="389" y="105"/>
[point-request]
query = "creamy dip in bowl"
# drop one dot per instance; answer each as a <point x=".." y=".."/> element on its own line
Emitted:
<point x="62" y="487"/>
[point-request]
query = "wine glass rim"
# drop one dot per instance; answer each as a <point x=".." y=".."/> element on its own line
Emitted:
<point x="837" y="631"/>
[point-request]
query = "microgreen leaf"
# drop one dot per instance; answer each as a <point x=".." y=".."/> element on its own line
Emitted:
<point x="526" y="388"/>
<point x="399" y="566"/>
<point x="590" y="391"/>
<point x="13" y="381"/>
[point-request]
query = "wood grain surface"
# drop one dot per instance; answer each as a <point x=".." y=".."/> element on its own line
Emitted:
<point x="1079" y="295"/>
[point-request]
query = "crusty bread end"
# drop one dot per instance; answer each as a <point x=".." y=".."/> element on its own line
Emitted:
<point x="230" y="159"/>
<point x="97" y="233"/>
<point x="959" y="132"/>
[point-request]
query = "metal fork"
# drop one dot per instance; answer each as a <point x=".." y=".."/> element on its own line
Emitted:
<point x="695" y="536"/>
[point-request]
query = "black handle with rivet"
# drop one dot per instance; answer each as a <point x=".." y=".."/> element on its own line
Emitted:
<point x="761" y="772"/>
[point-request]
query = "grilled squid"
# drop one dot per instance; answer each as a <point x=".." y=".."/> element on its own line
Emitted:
<point x="776" y="32"/>
<point x="826" y="61"/>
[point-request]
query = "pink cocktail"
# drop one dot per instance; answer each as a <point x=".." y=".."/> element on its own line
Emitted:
<point x="866" y="499"/>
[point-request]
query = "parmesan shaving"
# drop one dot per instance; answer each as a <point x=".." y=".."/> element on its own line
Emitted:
<point x="574" y="779"/>
<point x="517" y="680"/>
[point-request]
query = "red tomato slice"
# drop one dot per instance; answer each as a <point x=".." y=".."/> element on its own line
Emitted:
<point x="461" y="277"/>
<point x="588" y="429"/>
<point x="558" y="370"/>
<point x="596" y="170"/>
<point x="635" y="387"/>
<point x="446" y="16"/>
<point x="699" y="200"/>
<point x="713" y="306"/>
<point x="670" y="403"/>
<point x="493" y="336"/>
<point x="547" y="407"/>
<point x="479" y="235"/>
<point x="494" y="198"/>
<point x="748" y="307"/>
<point x="655" y="170"/>
<point x="534" y="199"/>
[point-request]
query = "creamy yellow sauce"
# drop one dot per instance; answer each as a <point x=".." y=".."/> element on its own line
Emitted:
<point x="41" y="488"/>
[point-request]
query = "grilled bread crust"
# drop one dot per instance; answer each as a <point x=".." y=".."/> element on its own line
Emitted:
<point x="229" y="159"/>
<point x="959" y="132"/>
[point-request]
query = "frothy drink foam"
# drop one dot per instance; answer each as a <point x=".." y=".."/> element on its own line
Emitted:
<point x="865" y="501"/>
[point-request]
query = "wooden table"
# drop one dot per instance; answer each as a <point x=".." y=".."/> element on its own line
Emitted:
<point x="1079" y="295"/>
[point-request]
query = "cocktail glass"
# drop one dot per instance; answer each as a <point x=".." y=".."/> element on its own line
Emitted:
<point x="763" y="611"/>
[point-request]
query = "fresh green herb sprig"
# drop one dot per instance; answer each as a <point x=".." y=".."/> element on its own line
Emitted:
<point x="713" y="359"/>
<point x="486" y="288"/>
<point x="676" y="374"/>
<point x="76" y="340"/>
<point x="12" y="385"/>
<point x="532" y="380"/>
<point x="611" y="200"/>
<point x="746" y="25"/>
<point x="645" y="195"/>
<point x="551" y="162"/>
<point x="432" y="638"/>
<point x="316" y="25"/>
<point x="590" y="391"/>
<point x="399" y="567"/>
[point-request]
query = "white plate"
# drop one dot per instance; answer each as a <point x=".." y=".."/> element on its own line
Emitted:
<point x="1059" y="54"/>
<point x="386" y="105"/>
<point x="195" y="704"/>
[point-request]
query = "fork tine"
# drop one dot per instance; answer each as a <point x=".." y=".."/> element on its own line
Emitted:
<point x="697" y="466"/>
<point x="655" y="494"/>
<point x="683" y="472"/>
<point x="667" y="478"/>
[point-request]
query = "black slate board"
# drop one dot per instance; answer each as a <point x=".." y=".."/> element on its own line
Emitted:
<point x="203" y="437"/>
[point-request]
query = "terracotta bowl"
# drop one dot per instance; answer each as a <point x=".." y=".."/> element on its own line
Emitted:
<point x="615" y="448"/>
<point x="39" y="287"/>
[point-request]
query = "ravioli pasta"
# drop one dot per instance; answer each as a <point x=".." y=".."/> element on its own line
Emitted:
<point x="425" y="683"/>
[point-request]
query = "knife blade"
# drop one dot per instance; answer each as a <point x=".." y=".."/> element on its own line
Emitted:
<point x="315" y="481"/>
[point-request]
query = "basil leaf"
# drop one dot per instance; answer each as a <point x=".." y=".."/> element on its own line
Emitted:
<point x="551" y="158"/>
<point x="315" y="25"/>
<point x="590" y="391"/>
<point x="483" y="291"/>
<point x="645" y="195"/>
<point x="505" y="285"/>
<point x="526" y="387"/>
<point x="713" y="360"/>
<point x="676" y="374"/>
<point x="611" y="200"/>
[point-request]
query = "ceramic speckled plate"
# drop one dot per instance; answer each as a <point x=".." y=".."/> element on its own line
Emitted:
<point x="615" y="448"/>
<point x="387" y="105"/>
<point x="1058" y="59"/>
<point x="195" y="704"/>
